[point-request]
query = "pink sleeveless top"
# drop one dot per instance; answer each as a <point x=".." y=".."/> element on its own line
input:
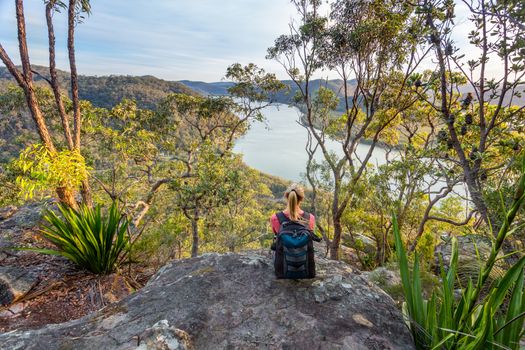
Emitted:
<point x="274" y="221"/>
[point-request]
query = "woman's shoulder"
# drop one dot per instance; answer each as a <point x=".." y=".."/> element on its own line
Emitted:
<point x="310" y="215"/>
<point x="311" y="221"/>
<point x="274" y="217"/>
<point x="276" y="214"/>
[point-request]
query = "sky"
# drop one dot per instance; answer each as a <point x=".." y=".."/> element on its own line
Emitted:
<point x="170" y="39"/>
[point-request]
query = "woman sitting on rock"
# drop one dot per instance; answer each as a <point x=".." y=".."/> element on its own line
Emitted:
<point x="293" y="227"/>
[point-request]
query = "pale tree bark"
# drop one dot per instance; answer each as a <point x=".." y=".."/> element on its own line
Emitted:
<point x="306" y="55"/>
<point x="311" y="149"/>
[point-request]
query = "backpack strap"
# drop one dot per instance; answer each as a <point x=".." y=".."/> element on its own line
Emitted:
<point x="281" y="217"/>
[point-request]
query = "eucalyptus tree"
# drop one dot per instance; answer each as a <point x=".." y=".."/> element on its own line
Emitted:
<point x="242" y="222"/>
<point x="24" y="79"/>
<point x="376" y="44"/>
<point x="417" y="182"/>
<point x="199" y="148"/>
<point x="183" y="149"/>
<point x="482" y="127"/>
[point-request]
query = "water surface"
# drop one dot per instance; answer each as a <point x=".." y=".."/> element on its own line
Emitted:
<point x="277" y="147"/>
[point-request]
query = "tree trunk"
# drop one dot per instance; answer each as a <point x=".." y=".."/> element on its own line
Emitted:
<point x="67" y="197"/>
<point x="469" y="172"/>
<point x="334" y="247"/>
<point x="73" y="69"/>
<point x="25" y="81"/>
<point x="195" y="236"/>
<point x="38" y="118"/>
<point x="379" y="250"/>
<point x="384" y="248"/>
<point x="77" y="119"/>
<point x="32" y="103"/>
<point x="54" y="78"/>
<point x="477" y="197"/>
<point x="85" y="190"/>
<point x="65" y="194"/>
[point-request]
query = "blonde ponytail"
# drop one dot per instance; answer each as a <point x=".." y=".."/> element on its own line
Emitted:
<point x="293" y="205"/>
<point x="294" y="196"/>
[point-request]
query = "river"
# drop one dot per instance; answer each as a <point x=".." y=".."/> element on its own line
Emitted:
<point x="277" y="147"/>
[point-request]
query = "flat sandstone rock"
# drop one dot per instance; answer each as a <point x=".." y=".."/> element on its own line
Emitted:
<point x="233" y="301"/>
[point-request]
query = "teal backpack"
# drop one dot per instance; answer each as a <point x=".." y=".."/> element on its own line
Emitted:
<point x="294" y="250"/>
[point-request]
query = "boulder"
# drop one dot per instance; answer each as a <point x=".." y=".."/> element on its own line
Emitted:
<point x="22" y="218"/>
<point x="468" y="248"/>
<point x="14" y="222"/>
<point x="389" y="281"/>
<point x="384" y="277"/>
<point x="233" y="301"/>
<point x="469" y="264"/>
<point x="15" y="282"/>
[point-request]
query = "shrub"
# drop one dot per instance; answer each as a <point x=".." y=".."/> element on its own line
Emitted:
<point x="91" y="239"/>
<point x="39" y="170"/>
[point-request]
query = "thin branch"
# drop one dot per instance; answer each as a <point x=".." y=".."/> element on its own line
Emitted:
<point x="452" y="222"/>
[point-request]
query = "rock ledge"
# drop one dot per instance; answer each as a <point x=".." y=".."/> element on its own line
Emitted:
<point x="233" y="301"/>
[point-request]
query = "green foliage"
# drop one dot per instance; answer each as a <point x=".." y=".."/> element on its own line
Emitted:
<point x="176" y="163"/>
<point x="442" y="322"/>
<point x="241" y="223"/>
<point x="40" y="170"/>
<point x="165" y="240"/>
<point x="91" y="239"/>
<point x="467" y="323"/>
<point x="10" y="191"/>
<point x="252" y="83"/>
<point x="426" y="246"/>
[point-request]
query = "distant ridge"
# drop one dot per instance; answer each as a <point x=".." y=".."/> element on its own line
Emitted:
<point x="286" y="97"/>
<point x="108" y="91"/>
<point x="148" y="91"/>
<point x="203" y="88"/>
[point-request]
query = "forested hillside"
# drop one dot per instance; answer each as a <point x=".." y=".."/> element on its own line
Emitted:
<point x="148" y="91"/>
<point x="108" y="91"/>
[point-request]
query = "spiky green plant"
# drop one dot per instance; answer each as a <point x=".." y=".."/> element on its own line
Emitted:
<point x="469" y="323"/>
<point x="91" y="239"/>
